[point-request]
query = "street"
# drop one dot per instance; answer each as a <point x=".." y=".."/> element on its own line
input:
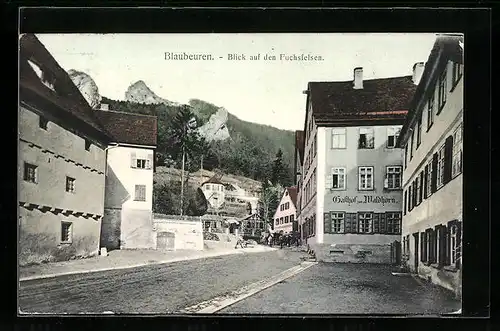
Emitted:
<point x="156" y="289"/>
<point x="169" y="288"/>
<point x="348" y="289"/>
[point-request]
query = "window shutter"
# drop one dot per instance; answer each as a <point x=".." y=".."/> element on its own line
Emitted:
<point x="354" y="223"/>
<point x="347" y="223"/>
<point x="376" y="223"/>
<point x="405" y="206"/>
<point x="442" y="244"/>
<point x="328" y="223"/>
<point x="133" y="160"/>
<point x="422" y="246"/>
<point x="426" y="173"/>
<point x="459" y="244"/>
<point x="149" y="164"/>
<point x="383" y="223"/>
<point x="329" y="179"/>
<point x="434" y="172"/>
<point x="415" y="193"/>
<point x="421" y="193"/>
<point x="448" y="155"/>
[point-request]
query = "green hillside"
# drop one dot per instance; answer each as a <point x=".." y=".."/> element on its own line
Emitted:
<point x="250" y="151"/>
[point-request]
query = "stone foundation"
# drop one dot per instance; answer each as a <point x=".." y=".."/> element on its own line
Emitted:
<point x="348" y="253"/>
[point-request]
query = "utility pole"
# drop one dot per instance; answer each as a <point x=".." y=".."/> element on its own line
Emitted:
<point x="182" y="180"/>
<point x="201" y="170"/>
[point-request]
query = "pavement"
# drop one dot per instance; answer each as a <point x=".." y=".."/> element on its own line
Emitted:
<point x="348" y="289"/>
<point x="155" y="288"/>
<point x="124" y="259"/>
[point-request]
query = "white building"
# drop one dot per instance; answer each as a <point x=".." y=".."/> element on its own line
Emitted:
<point x="432" y="176"/>
<point x="128" y="218"/>
<point x="351" y="192"/>
<point x="285" y="216"/>
<point x="299" y="159"/>
<point x="214" y="192"/>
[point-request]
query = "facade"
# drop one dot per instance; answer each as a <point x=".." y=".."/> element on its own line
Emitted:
<point x="285" y="217"/>
<point x="432" y="175"/>
<point x="128" y="218"/>
<point x="61" y="162"/>
<point x="351" y="197"/>
<point x="214" y="192"/>
<point x="299" y="159"/>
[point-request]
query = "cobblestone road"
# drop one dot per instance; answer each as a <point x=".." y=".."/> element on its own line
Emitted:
<point x="348" y="289"/>
<point x="155" y="289"/>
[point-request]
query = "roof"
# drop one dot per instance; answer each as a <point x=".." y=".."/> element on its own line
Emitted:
<point x="214" y="180"/>
<point x="129" y="128"/>
<point x="299" y="144"/>
<point x="292" y="192"/>
<point x="383" y="99"/>
<point x="68" y="101"/>
<point x="445" y="48"/>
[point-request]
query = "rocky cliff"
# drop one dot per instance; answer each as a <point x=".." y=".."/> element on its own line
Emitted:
<point x="87" y="87"/>
<point x="139" y="92"/>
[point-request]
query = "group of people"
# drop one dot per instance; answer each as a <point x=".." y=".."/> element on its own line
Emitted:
<point x="282" y="239"/>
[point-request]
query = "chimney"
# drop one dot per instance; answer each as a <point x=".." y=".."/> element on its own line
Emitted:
<point x="358" y="78"/>
<point x="104" y="106"/>
<point x="418" y="69"/>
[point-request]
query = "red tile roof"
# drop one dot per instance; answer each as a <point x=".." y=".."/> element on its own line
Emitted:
<point x="292" y="192"/>
<point x="379" y="99"/>
<point x="66" y="100"/>
<point x="129" y="128"/>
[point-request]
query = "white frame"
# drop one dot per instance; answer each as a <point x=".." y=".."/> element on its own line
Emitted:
<point x="388" y="173"/>
<point x="339" y="132"/>
<point x="440" y="167"/>
<point x="369" y="171"/>
<point x="365" y="217"/>
<point x="395" y="132"/>
<point x="70" y="232"/>
<point x="72" y="182"/>
<point x="457" y="165"/>
<point x="367" y="131"/>
<point x="28" y="166"/>
<point x="337" y="217"/>
<point x="339" y="172"/>
<point x="145" y="193"/>
<point x="442" y="89"/>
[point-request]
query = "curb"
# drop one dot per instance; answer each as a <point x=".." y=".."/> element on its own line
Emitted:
<point x="219" y="303"/>
<point x="77" y="272"/>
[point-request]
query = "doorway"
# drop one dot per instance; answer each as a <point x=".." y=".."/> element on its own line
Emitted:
<point x="415" y="251"/>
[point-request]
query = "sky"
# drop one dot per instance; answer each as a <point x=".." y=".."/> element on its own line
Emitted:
<point x="256" y="90"/>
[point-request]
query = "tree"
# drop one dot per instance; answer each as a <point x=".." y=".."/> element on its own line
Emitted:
<point x="268" y="202"/>
<point x="279" y="172"/>
<point x="185" y="142"/>
<point x="198" y="204"/>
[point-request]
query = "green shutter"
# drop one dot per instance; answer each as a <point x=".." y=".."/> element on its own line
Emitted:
<point x="448" y="155"/>
<point x="347" y="223"/>
<point x="426" y="174"/>
<point x="327" y="223"/>
<point x="434" y="172"/>
<point x="354" y="223"/>
<point x="376" y="223"/>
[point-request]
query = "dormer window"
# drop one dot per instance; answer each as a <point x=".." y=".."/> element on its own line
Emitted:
<point x="46" y="77"/>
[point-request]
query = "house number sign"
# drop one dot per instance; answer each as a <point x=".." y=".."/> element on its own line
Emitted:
<point x="379" y="199"/>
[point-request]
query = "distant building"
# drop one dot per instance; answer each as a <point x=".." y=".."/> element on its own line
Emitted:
<point x="351" y="196"/>
<point x="299" y="159"/>
<point x="61" y="162"/>
<point x="432" y="175"/>
<point x="214" y="192"/>
<point x="285" y="217"/>
<point x="128" y="218"/>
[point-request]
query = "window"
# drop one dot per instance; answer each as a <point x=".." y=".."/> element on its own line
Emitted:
<point x="286" y="219"/>
<point x="440" y="167"/>
<point x="42" y="122"/>
<point x="66" y="232"/>
<point x="393" y="223"/>
<point x="366" y="178"/>
<point x="392" y="136"/>
<point x="393" y="175"/>
<point x="457" y="73"/>
<point x="412" y="141"/>
<point x="457" y="151"/>
<point x="87" y="144"/>
<point x="430" y="111"/>
<point x="337" y="222"/>
<point x="365" y="222"/>
<point x="70" y="184"/>
<point x="417" y="191"/>
<point x="421" y="187"/>
<point x="406" y="155"/>
<point x="141" y="164"/>
<point x="292" y="217"/>
<point x="405" y="205"/>
<point x="46" y="78"/>
<point x="429" y="179"/>
<point x="208" y="187"/>
<point x="410" y="197"/>
<point x="288" y="205"/>
<point x="423" y="247"/>
<point x="277" y="221"/>
<point x="339" y="138"/>
<point x="441" y="92"/>
<point x="419" y="131"/>
<point x="140" y="193"/>
<point x="366" y="138"/>
<point x="338" y="178"/>
<point x="30" y="173"/>
<point x="454" y="244"/>
<point x="281" y="220"/>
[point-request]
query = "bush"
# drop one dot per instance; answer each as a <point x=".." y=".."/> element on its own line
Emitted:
<point x="210" y="236"/>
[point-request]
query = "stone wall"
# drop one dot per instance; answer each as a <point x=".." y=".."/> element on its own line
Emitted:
<point x="353" y="253"/>
<point x="188" y="233"/>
